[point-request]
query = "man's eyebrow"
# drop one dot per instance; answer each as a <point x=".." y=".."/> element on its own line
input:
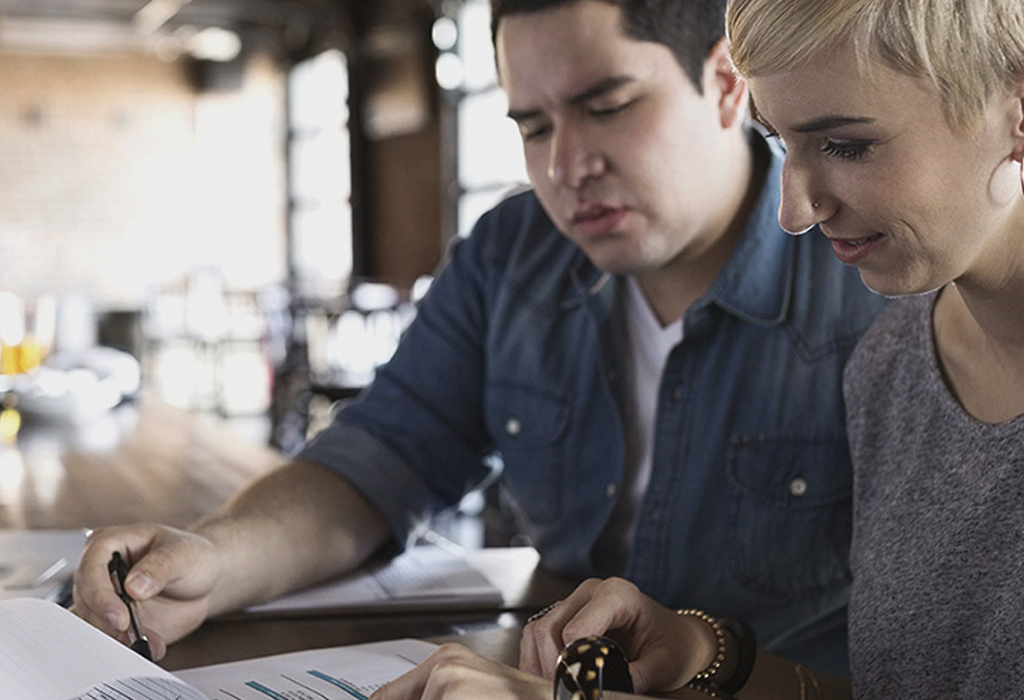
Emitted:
<point x="599" y="88"/>
<point x="829" y="121"/>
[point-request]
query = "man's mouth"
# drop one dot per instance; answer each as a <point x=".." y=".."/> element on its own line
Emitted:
<point x="591" y="212"/>
<point x="595" y="220"/>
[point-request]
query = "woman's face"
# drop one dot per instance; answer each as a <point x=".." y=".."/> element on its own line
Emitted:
<point x="910" y="200"/>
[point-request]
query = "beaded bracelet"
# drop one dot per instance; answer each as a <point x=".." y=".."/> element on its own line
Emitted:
<point x="710" y="689"/>
<point x="716" y="663"/>
<point x="746" y="654"/>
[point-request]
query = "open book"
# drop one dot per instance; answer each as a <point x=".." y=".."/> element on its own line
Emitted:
<point x="425" y="576"/>
<point x="47" y="653"/>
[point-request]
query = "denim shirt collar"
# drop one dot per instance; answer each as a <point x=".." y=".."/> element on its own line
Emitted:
<point x="756" y="282"/>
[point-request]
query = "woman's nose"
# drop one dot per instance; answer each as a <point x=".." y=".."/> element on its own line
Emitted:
<point x="803" y="204"/>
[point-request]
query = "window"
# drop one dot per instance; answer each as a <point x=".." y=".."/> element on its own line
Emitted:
<point x="489" y="161"/>
<point x="320" y="186"/>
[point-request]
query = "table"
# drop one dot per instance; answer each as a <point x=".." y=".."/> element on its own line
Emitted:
<point x="144" y="461"/>
<point x="149" y="462"/>
<point x="524" y="585"/>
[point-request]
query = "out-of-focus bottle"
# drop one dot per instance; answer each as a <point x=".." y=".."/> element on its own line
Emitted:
<point x="10" y="419"/>
<point x="12" y="333"/>
<point x="22" y="349"/>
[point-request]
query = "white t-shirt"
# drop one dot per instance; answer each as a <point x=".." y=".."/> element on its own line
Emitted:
<point x="647" y="347"/>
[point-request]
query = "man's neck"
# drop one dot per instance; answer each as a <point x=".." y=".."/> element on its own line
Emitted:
<point x="673" y="288"/>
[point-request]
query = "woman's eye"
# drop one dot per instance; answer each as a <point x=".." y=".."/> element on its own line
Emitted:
<point x="846" y="150"/>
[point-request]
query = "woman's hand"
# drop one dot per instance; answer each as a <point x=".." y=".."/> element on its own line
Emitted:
<point x="453" y="672"/>
<point x="665" y="650"/>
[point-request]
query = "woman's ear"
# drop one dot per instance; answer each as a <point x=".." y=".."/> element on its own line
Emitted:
<point x="1017" y="116"/>
<point x="719" y="75"/>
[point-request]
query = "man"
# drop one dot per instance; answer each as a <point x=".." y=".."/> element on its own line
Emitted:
<point x="656" y="363"/>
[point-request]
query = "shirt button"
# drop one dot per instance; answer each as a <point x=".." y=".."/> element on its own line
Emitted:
<point x="513" y="426"/>
<point x="798" y="486"/>
<point x="612" y="490"/>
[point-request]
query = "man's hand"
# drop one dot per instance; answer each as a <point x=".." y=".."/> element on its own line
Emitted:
<point x="297" y="525"/>
<point x="173" y="575"/>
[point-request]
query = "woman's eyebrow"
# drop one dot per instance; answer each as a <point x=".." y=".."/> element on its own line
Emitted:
<point x="829" y="121"/>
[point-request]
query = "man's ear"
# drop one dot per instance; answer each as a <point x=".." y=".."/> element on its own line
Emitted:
<point x="730" y="89"/>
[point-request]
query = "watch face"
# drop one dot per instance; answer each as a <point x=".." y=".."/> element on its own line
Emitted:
<point x="588" y="667"/>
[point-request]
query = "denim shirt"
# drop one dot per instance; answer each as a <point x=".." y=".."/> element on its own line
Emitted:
<point x="516" y="350"/>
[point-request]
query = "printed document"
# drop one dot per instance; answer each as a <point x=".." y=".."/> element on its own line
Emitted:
<point x="48" y="653"/>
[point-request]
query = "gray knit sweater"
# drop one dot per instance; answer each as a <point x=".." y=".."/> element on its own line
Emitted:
<point x="937" y="608"/>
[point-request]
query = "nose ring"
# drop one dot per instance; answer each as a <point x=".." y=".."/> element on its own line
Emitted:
<point x="815" y="204"/>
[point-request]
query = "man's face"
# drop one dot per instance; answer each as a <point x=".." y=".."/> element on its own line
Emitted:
<point x="623" y="152"/>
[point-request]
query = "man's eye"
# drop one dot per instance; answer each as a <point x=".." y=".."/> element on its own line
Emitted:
<point x="609" y="110"/>
<point x="846" y="150"/>
<point x="534" y="132"/>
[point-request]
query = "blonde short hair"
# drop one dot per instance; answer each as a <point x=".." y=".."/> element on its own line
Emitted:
<point x="970" y="49"/>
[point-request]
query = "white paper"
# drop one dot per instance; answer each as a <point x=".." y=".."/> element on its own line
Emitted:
<point x="423" y="575"/>
<point x="37" y="563"/>
<point x="48" y="653"/>
<point x="339" y="673"/>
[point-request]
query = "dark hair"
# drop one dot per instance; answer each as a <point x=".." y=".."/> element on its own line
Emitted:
<point x="689" y="28"/>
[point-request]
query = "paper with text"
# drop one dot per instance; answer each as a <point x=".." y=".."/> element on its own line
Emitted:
<point x="340" y="673"/>
<point x="48" y="653"/>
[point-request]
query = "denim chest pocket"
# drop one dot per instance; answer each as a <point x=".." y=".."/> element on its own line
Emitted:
<point x="791" y="514"/>
<point x="527" y="426"/>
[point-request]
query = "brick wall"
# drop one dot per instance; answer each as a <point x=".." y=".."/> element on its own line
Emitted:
<point x="116" y="177"/>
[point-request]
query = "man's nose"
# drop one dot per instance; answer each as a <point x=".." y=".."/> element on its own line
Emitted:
<point x="572" y="160"/>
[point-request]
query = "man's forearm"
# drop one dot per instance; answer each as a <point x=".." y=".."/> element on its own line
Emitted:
<point x="295" y="526"/>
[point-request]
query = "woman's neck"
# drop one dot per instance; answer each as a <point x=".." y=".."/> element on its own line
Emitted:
<point x="979" y="343"/>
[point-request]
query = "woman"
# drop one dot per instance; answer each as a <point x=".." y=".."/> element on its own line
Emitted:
<point x="904" y="127"/>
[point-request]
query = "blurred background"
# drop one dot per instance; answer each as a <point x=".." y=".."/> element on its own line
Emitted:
<point x="232" y="205"/>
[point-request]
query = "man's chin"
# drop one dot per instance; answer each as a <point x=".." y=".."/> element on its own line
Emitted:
<point x="614" y="260"/>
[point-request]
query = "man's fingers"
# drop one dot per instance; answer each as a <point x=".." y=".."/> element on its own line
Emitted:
<point x="95" y="599"/>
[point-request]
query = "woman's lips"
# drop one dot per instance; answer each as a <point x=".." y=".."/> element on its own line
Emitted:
<point x="852" y="250"/>
<point x="596" y="220"/>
